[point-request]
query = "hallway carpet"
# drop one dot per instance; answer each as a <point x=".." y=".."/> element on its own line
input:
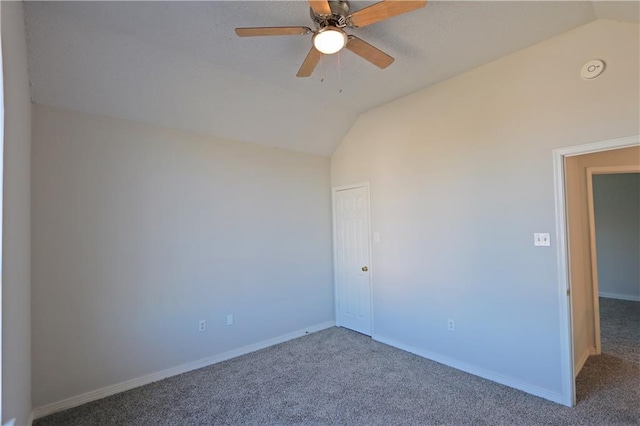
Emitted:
<point x="340" y="377"/>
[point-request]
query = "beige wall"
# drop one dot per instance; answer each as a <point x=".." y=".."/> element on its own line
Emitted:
<point x="461" y="177"/>
<point x="579" y="241"/>
<point x="16" y="282"/>
<point x="139" y="232"/>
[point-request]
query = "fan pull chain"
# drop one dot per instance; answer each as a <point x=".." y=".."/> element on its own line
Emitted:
<point x="339" y="73"/>
<point x="322" y="69"/>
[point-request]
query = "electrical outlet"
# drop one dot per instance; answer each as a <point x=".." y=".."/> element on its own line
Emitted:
<point x="202" y="325"/>
<point x="230" y="319"/>
<point x="452" y="325"/>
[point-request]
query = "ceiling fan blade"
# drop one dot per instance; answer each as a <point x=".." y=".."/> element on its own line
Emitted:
<point x="271" y="31"/>
<point x="372" y="54"/>
<point x="383" y="10"/>
<point x="320" y="7"/>
<point x="310" y="62"/>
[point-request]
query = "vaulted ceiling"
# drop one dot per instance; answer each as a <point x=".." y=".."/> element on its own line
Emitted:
<point x="180" y="64"/>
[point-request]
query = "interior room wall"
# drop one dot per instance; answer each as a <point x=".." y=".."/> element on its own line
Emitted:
<point x="16" y="237"/>
<point x="461" y="177"/>
<point x="616" y="199"/>
<point x="140" y="232"/>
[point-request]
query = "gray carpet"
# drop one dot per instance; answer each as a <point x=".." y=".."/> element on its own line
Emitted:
<point x="340" y="377"/>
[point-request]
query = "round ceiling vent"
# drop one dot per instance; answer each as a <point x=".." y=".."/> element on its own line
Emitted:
<point x="592" y="69"/>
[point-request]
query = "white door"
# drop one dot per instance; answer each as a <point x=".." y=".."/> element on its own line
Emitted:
<point x="352" y="246"/>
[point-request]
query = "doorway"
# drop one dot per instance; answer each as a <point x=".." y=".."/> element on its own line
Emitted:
<point x="352" y="258"/>
<point x="575" y="274"/>
<point x="613" y="217"/>
<point x="614" y="226"/>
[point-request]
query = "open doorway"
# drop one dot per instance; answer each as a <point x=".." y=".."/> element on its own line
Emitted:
<point x="614" y="226"/>
<point x="614" y="217"/>
<point x="566" y="280"/>
<point x="606" y="371"/>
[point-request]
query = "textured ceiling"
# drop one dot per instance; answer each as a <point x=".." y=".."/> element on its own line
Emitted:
<point x="179" y="64"/>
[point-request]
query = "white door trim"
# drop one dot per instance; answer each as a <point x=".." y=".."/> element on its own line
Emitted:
<point x="334" y="190"/>
<point x="564" y="280"/>
<point x="1" y="207"/>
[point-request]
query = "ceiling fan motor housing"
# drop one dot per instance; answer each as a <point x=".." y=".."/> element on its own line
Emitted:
<point x="338" y="18"/>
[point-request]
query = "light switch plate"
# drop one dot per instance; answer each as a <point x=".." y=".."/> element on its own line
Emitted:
<point x="541" y="239"/>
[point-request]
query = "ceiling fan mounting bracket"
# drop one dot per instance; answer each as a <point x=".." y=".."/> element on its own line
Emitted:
<point x="338" y="18"/>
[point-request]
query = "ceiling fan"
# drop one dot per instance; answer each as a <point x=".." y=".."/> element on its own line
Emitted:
<point x="330" y="18"/>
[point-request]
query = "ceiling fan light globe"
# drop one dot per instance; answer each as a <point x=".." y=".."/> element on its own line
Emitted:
<point x="330" y="40"/>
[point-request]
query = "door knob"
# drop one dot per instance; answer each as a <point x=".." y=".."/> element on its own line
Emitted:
<point x="365" y="269"/>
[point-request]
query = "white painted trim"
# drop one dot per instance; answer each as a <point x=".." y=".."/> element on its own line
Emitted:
<point x="334" y="190"/>
<point x="564" y="296"/>
<point x="351" y="186"/>
<point x="564" y="279"/>
<point x="1" y="211"/>
<point x="477" y="371"/>
<point x="94" y="395"/>
<point x="335" y="257"/>
<point x="619" y="296"/>
<point x="372" y="269"/>
<point x="607" y="145"/>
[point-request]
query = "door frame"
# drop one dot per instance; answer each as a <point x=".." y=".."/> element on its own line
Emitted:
<point x="334" y="190"/>
<point x="599" y="170"/>
<point x="2" y="112"/>
<point x="564" y="279"/>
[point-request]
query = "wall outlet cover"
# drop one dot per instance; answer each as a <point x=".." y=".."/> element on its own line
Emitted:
<point x="541" y="239"/>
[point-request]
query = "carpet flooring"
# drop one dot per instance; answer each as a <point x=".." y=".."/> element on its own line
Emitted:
<point x="338" y="377"/>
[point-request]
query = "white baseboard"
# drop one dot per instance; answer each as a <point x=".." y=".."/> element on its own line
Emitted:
<point x="477" y="371"/>
<point x="12" y="422"/>
<point x="94" y="395"/>
<point x="619" y="296"/>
